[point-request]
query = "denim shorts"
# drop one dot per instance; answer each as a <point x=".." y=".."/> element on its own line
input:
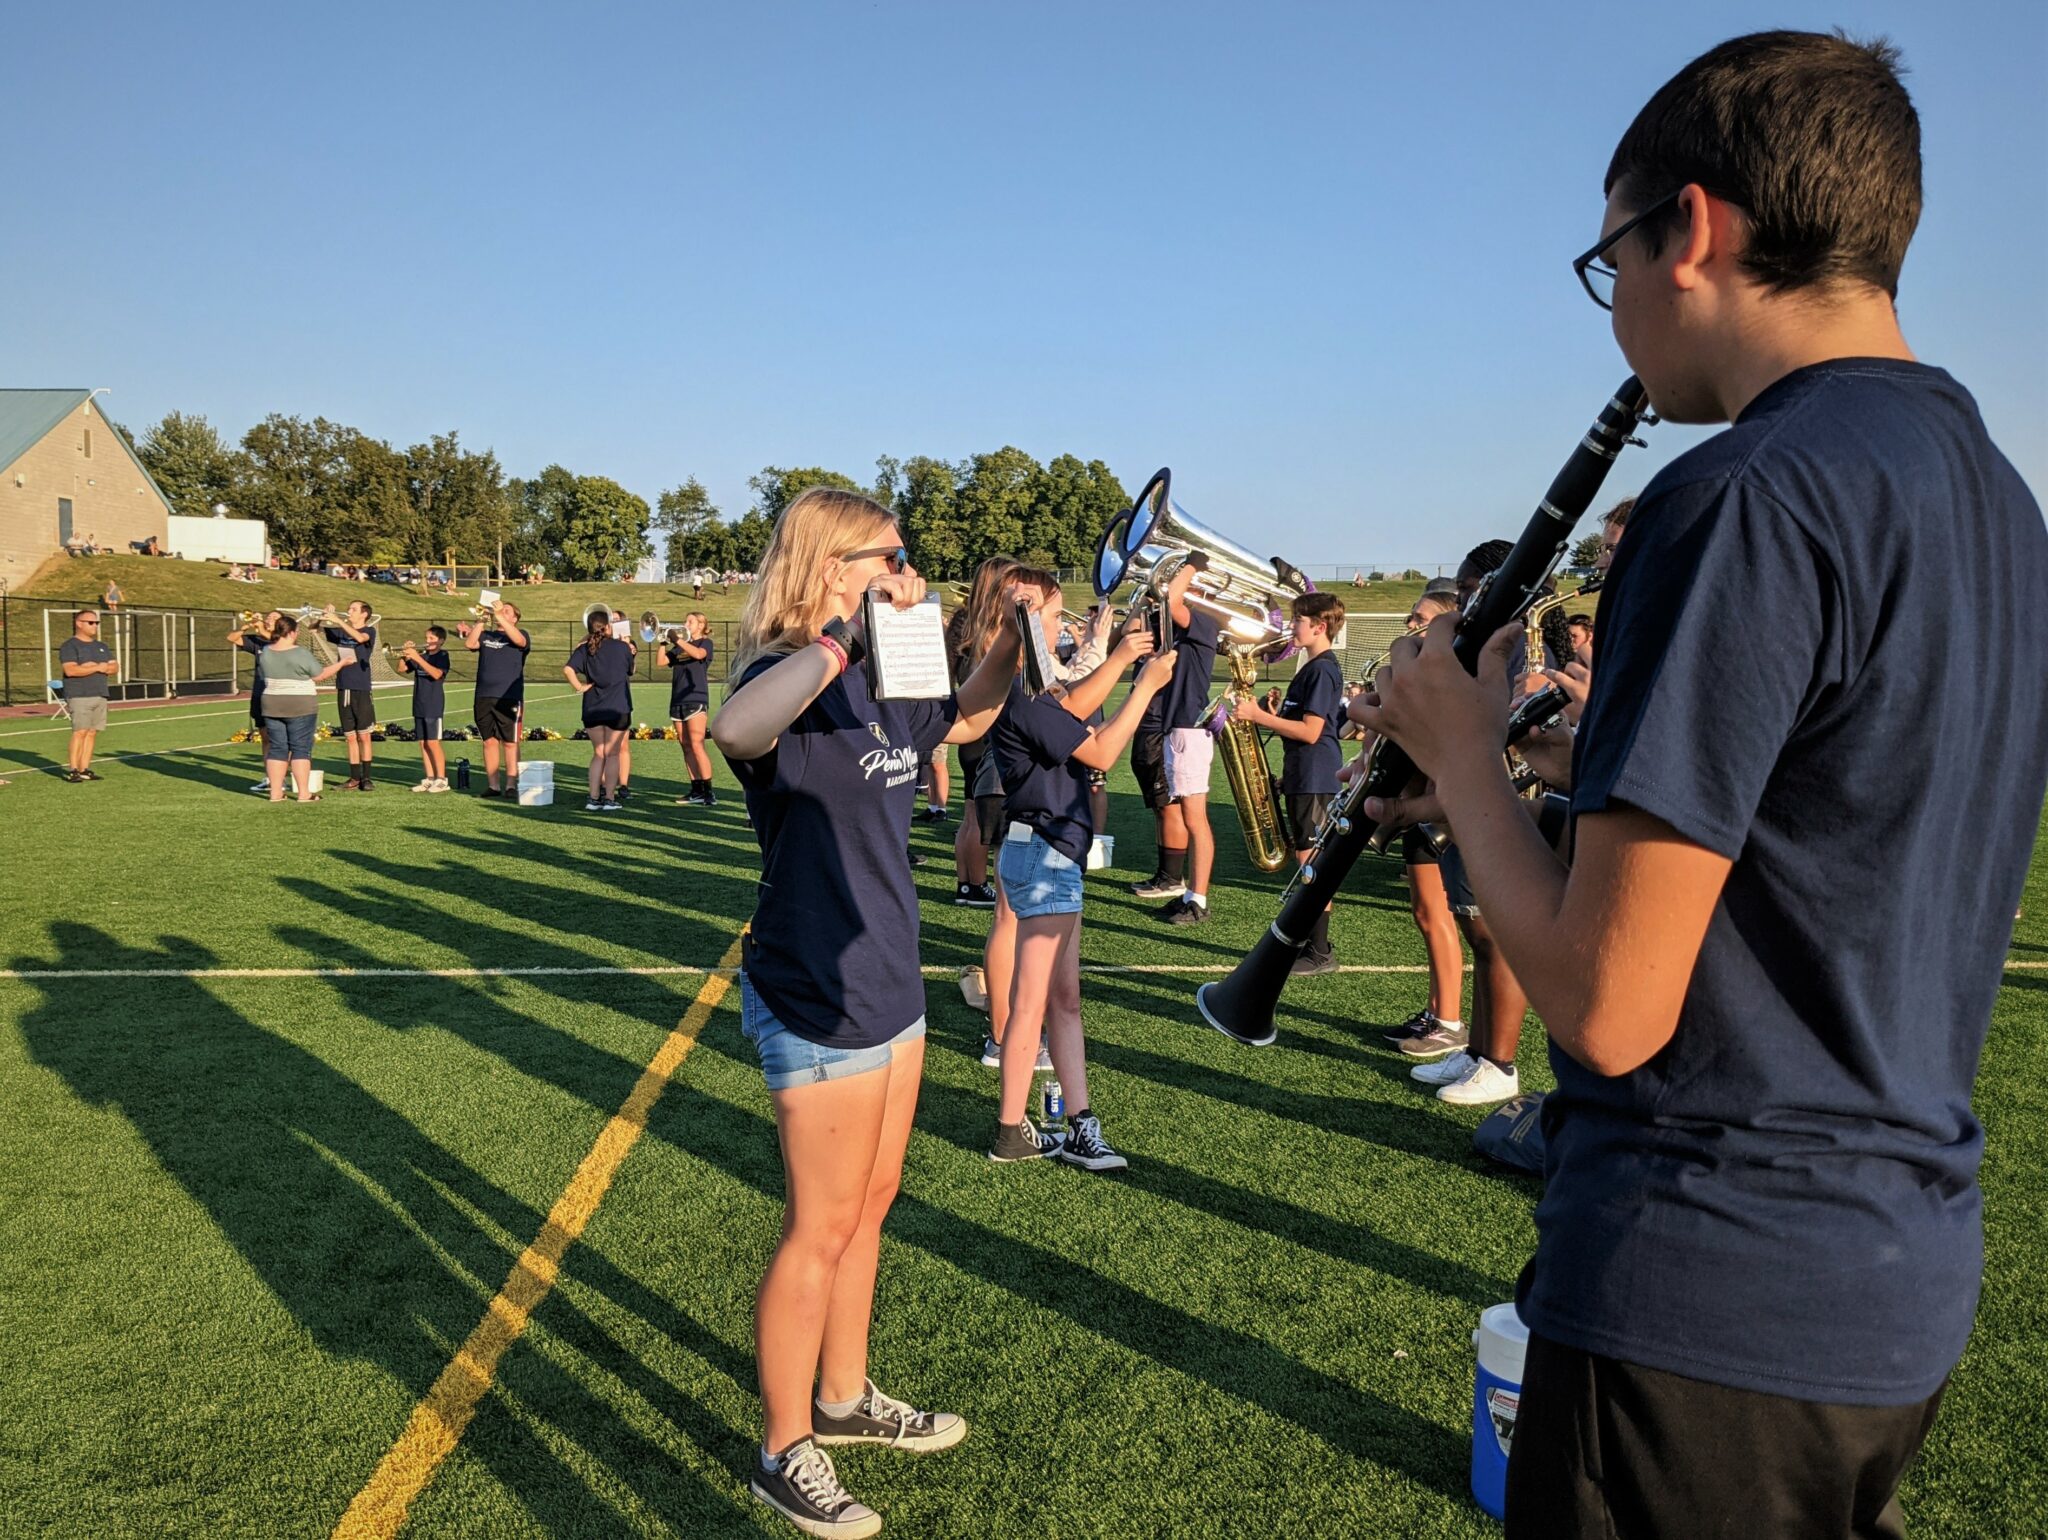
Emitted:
<point x="289" y="737"/>
<point x="1038" y="879"/>
<point x="789" y="1060"/>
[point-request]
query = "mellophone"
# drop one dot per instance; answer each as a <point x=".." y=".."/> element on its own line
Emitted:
<point x="1242" y="1003"/>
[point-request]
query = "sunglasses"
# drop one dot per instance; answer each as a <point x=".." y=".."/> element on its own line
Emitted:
<point x="897" y="558"/>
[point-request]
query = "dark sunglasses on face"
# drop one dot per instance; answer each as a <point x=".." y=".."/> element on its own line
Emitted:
<point x="897" y="558"/>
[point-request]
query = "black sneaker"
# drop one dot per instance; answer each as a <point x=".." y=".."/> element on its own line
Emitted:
<point x="1310" y="963"/>
<point x="881" y="1419"/>
<point x="968" y="896"/>
<point x="1157" y="886"/>
<point x="805" y="1489"/>
<point x="1085" y="1147"/>
<point x="92" y="775"/>
<point x="690" y="799"/>
<point x="490" y="791"/>
<point x="621" y="797"/>
<point x="612" y="805"/>
<point x="929" y="814"/>
<point x="74" y="778"/>
<point x="918" y="859"/>
<point x="1418" y="1025"/>
<point x="1185" y="911"/>
<point x="1026" y="1141"/>
<point x="710" y="798"/>
<point x="365" y="786"/>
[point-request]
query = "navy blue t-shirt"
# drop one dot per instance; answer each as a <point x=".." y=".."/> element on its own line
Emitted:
<point x="690" y="678"/>
<point x="609" y="668"/>
<point x="430" y="695"/>
<point x="355" y="675"/>
<point x="1187" y="692"/>
<point x="254" y="648"/>
<point x="1819" y="656"/>
<point x="1042" y="785"/>
<point x="833" y="947"/>
<point x="501" y="667"/>
<point x="1316" y="690"/>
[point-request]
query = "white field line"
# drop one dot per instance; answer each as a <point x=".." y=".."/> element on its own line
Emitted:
<point x="147" y="714"/>
<point x="665" y="970"/>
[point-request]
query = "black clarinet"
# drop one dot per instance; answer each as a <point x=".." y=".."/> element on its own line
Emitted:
<point x="1241" y="1005"/>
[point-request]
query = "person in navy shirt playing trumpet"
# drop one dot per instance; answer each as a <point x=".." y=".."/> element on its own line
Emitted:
<point x="601" y="670"/>
<point x="429" y="670"/>
<point x="1307" y="723"/>
<point x="830" y="993"/>
<point x="1046" y="749"/>
<point x="688" y="657"/>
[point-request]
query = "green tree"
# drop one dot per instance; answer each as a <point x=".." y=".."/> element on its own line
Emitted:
<point x="995" y="503"/>
<point x="190" y="461"/>
<point x="290" y="475"/>
<point x="682" y="513"/>
<point x="750" y="536"/>
<point x="927" y="506"/>
<point x="1586" y="551"/>
<point x="1071" y="504"/>
<point x="711" y="546"/>
<point x="460" y="502"/>
<point x="888" y="480"/>
<point x="599" y="530"/>
<point x="776" y="488"/>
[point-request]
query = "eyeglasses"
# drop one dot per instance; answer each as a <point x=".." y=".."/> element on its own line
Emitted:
<point x="91" y="620"/>
<point x="1595" y="273"/>
<point x="897" y="558"/>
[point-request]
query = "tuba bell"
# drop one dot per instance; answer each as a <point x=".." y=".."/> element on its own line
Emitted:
<point x="1248" y="595"/>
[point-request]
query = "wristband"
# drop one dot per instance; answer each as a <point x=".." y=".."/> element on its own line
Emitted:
<point x="847" y="639"/>
<point x="831" y="645"/>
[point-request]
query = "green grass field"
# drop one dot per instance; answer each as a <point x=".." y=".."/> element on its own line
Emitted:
<point x="245" y="1222"/>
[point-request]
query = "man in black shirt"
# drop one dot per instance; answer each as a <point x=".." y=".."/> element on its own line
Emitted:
<point x="87" y="664"/>
<point x="354" y="638"/>
<point x="501" y="648"/>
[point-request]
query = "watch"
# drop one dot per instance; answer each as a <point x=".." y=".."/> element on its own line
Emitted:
<point x="848" y="638"/>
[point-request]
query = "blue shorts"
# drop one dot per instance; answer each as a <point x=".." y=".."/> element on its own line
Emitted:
<point x="789" y="1060"/>
<point x="289" y="737"/>
<point x="1038" y="879"/>
<point x="1457" y="886"/>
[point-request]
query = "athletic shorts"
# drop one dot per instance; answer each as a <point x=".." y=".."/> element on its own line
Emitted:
<point x="1037" y="879"/>
<point x="618" y="721"/>
<point x="499" y="719"/>
<point x="1457" y="886"/>
<point x="683" y="710"/>
<point x="1189" y="753"/>
<point x="289" y="737"/>
<point x="789" y="1060"/>
<point x="1148" y="764"/>
<point x="984" y="779"/>
<point x="88" y="713"/>
<point x="426" y="729"/>
<point x="358" y="710"/>
<point x="1307" y="812"/>
<point x="988" y="819"/>
<point x="1416" y="849"/>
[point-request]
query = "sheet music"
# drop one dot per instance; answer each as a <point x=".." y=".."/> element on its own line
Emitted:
<point x="907" y="651"/>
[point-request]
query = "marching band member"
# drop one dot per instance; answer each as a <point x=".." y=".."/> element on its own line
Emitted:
<point x="831" y="997"/>
<point x="253" y="642"/>
<point x="688" y="658"/>
<point x="429" y="670"/>
<point x="1190" y="751"/>
<point x="1306" y="724"/>
<point x="1047" y="748"/>
<point x="601" y="672"/>
<point x="1760" y="1243"/>
<point x="969" y="634"/>
<point x="501" y="648"/>
<point x="354" y="638"/>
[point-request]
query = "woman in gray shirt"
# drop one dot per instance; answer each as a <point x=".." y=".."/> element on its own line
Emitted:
<point x="291" y="708"/>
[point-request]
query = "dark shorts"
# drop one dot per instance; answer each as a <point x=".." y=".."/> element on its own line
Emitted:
<point x="1450" y="866"/>
<point x="1416" y="849"/>
<point x="498" y="720"/>
<point x="1307" y="812"/>
<point x="989" y="820"/>
<point x="1603" y="1447"/>
<point x="289" y="737"/>
<point x="984" y="778"/>
<point x="426" y="729"/>
<point x="358" y="710"/>
<point x="683" y="710"/>
<point x="618" y="721"/>
<point x="1148" y="764"/>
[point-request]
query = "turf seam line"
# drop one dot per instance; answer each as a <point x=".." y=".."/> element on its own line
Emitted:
<point x="379" y="1510"/>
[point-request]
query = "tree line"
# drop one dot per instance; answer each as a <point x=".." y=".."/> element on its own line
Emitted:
<point x="329" y="492"/>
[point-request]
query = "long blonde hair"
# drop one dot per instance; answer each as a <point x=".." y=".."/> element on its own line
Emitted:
<point x="789" y="604"/>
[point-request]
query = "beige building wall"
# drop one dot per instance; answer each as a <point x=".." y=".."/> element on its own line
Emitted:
<point x="112" y="502"/>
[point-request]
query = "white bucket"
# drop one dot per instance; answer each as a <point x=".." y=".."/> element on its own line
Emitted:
<point x="537" y="783"/>
<point x="1103" y="852"/>
<point x="315" y="780"/>
<point x="1502" y="1342"/>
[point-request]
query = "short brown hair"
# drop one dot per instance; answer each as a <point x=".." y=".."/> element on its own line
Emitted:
<point x="1619" y="513"/>
<point x="1327" y="608"/>
<point x="1811" y="134"/>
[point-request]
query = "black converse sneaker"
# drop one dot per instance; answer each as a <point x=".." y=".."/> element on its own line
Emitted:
<point x="974" y="895"/>
<point x="1026" y="1141"/>
<point x="881" y="1419"/>
<point x="1085" y="1147"/>
<point x="805" y="1489"/>
<point x="1418" y="1025"/>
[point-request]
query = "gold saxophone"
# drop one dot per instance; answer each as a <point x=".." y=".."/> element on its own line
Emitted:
<point x="1252" y="784"/>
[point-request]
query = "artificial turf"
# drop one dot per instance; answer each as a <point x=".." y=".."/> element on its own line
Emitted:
<point x="245" y="1222"/>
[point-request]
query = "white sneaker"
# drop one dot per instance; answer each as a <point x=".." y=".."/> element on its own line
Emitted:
<point x="1444" y="1071"/>
<point x="426" y="785"/>
<point x="440" y="784"/>
<point x="1483" y="1082"/>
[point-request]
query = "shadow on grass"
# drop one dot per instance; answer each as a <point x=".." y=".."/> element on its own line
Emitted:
<point x="346" y="1211"/>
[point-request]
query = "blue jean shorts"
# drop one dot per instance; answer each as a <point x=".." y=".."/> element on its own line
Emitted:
<point x="1038" y="879"/>
<point x="289" y="737"/>
<point x="790" y="1060"/>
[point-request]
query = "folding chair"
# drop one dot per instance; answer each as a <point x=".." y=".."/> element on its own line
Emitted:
<point x="63" y="706"/>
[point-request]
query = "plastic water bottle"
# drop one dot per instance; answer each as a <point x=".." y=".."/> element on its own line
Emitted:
<point x="1055" y="1102"/>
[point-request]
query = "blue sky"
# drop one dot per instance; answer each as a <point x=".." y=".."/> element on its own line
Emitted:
<point x="1315" y="258"/>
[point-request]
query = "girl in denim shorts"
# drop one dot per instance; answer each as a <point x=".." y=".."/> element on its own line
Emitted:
<point x="1046" y="749"/>
<point x="831" y="994"/>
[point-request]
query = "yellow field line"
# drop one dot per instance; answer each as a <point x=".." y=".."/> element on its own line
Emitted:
<point x="437" y="1423"/>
